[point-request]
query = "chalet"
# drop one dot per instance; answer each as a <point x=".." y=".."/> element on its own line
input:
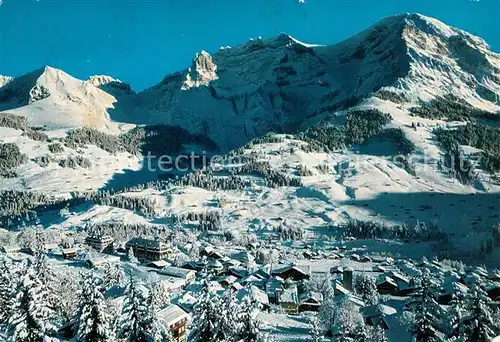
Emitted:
<point x="186" y="302"/>
<point x="216" y="255"/>
<point x="192" y="265"/>
<point x="307" y="254"/>
<point x="289" y="300"/>
<point x="11" y="249"/>
<point x="206" y="251"/>
<point x="379" y="268"/>
<point x="255" y="294"/>
<point x="292" y="272"/>
<point x="409" y="270"/>
<point x="228" y="262"/>
<point x="347" y="278"/>
<point x="274" y="288"/>
<point x="339" y="290"/>
<point x="228" y="281"/>
<point x="374" y="314"/>
<point x="355" y="257"/>
<point x="253" y="280"/>
<point x="176" y="320"/>
<point x="69" y="253"/>
<point x="403" y="283"/>
<point x="337" y="270"/>
<point x="236" y="287"/>
<point x="334" y="256"/>
<point x="311" y="302"/>
<point x="262" y="273"/>
<point x="238" y="272"/>
<point x="214" y="266"/>
<point x="365" y="258"/>
<point x="148" y="249"/>
<point x="386" y="285"/>
<point x="449" y="289"/>
<point x="101" y="243"/>
<point x="48" y="247"/>
<point x="244" y="257"/>
<point x="159" y="264"/>
<point x="102" y="260"/>
<point x="187" y="275"/>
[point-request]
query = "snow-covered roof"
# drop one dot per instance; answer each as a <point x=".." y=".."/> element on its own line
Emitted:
<point x="176" y="272"/>
<point x="11" y="249"/>
<point x="155" y="244"/>
<point x="254" y="292"/>
<point x="290" y="295"/>
<point x="385" y="279"/>
<point x="378" y="310"/>
<point x="158" y="264"/>
<point x="173" y="314"/>
<point x="69" y="251"/>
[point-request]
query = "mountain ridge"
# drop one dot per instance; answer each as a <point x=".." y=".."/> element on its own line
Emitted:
<point x="274" y="84"/>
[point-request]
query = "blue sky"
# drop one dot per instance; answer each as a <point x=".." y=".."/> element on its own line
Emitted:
<point x="142" y="41"/>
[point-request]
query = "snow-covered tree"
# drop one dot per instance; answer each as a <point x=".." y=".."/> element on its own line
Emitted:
<point x="377" y="334"/>
<point x="131" y="257"/>
<point x="133" y="321"/>
<point x="326" y="314"/>
<point x="113" y="275"/>
<point x="66" y="289"/>
<point x="91" y="321"/>
<point x="31" y="316"/>
<point x="323" y="285"/>
<point x="426" y="312"/>
<point x="348" y="325"/>
<point x="7" y="287"/>
<point x="477" y="324"/>
<point x="366" y="288"/>
<point x="157" y="329"/>
<point x="316" y="330"/>
<point x="455" y="314"/>
<point x="250" y="325"/>
<point x="209" y="323"/>
<point x="160" y="294"/>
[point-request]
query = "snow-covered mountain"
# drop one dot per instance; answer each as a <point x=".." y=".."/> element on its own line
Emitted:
<point x="238" y="93"/>
<point x="52" y="98"/>
<point x="274" y="84"/>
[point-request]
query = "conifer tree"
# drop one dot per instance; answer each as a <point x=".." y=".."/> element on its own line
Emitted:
<point x="477" y="323"/>
<point x="7" y="287"/>
<point x="31" y="316"/>
<point x="133" y="322"/>
<point x="91" y="322"/>
<point x="426" y="312"/>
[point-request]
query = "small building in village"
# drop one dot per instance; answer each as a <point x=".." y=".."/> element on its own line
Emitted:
<point x="69" y="253"/>
<point x="386" y="285"/>
<point x="148" y="249"/>
<point x="289" y="300"/>
<point x="311" y="302"/>
<point x="101" y="243"/>
<point x="176" y="319"/>
<point x="292" y="272"/>
<point x="187" y="275"/>
<point x="102" y="260"/>
<point x="11" y="249"/>
<point x="375" y="315"/>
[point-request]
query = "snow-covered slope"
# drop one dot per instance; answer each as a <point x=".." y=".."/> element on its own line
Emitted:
<point x="50" y="97"/>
